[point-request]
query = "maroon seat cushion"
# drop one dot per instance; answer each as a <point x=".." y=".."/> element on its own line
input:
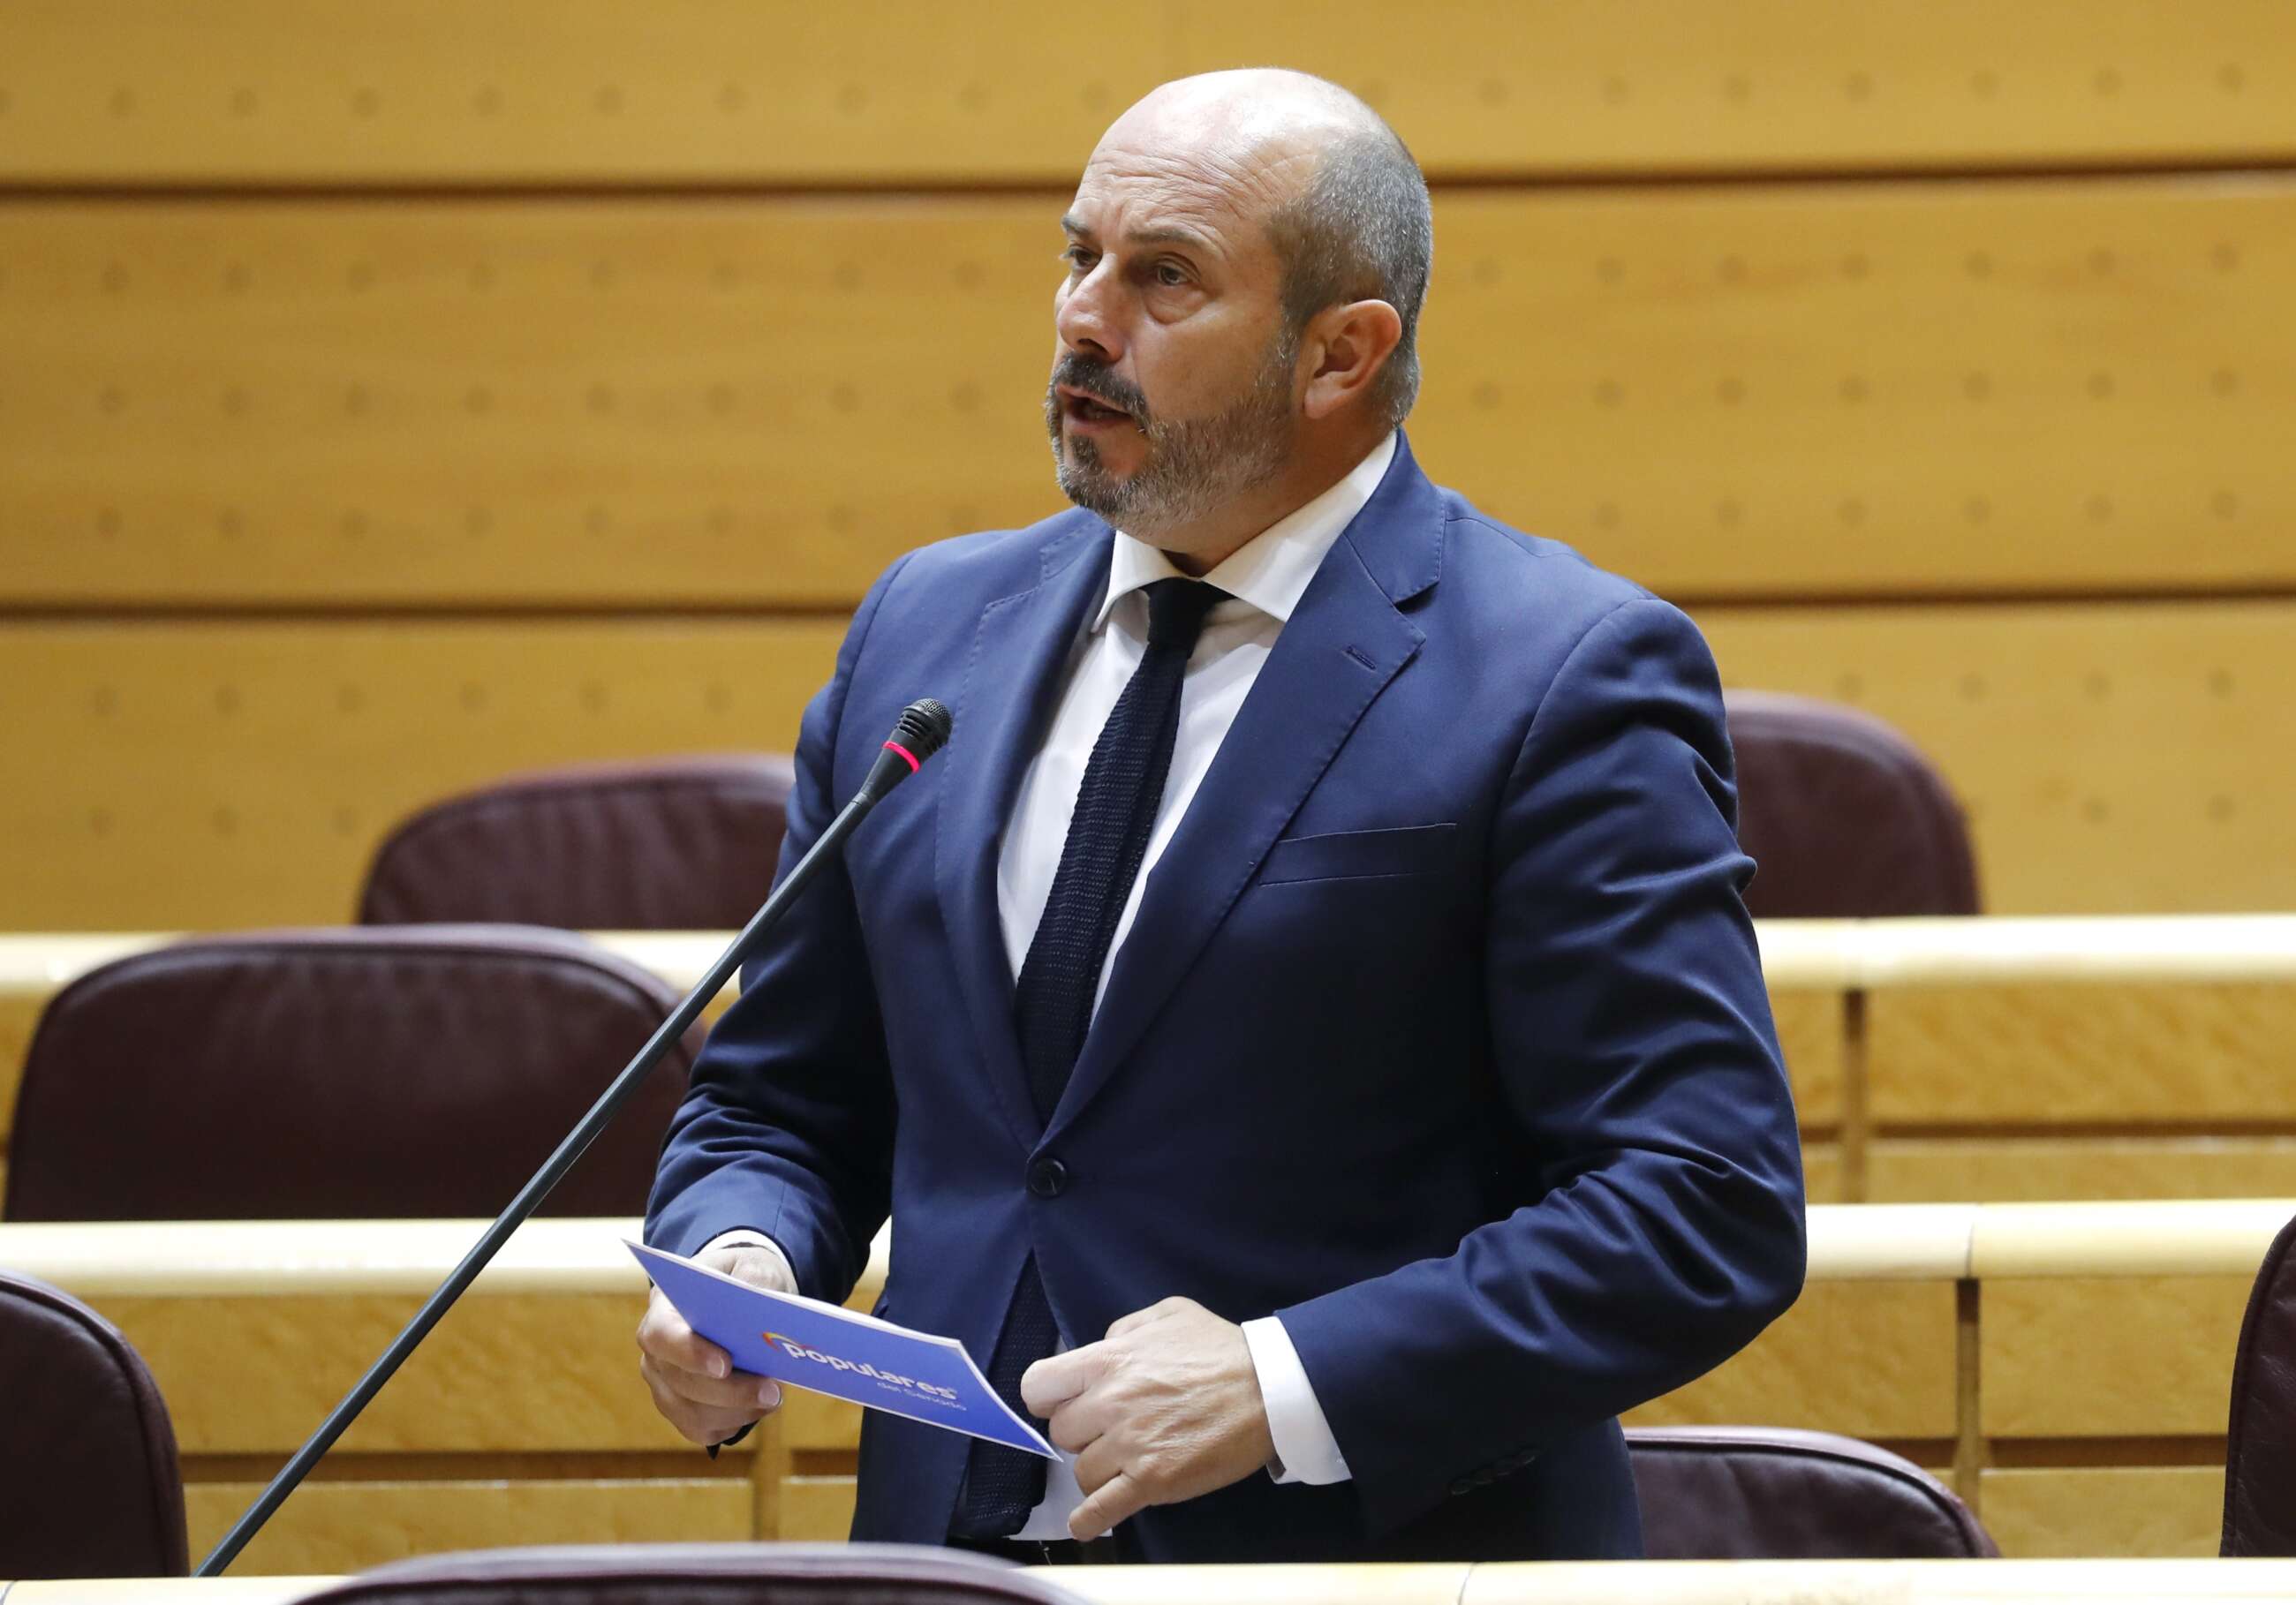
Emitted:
<point x="89" y="1485"/>
<point x="1843" y="816"/>
<point x="2259" y="1510"/>
<point x="702" y="1574"/>
<point x="1773" y="1493"/>
<point x="338" y="1073"/>
<point x="673" y="843"/>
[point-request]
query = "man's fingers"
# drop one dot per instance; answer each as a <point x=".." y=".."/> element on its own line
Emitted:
<point x="1117" y="1500"/>
<point x="1099" y="1463"/>
<point x="1077" y="1424"/>
<point x="1158" y="1311"/>
<point x="760" y="1267"/>
<point x="697" y="1423"/>
<point x="1050" y="1383"/>
<point x="664" y="1335"/>
<point x="741" y="1391"/>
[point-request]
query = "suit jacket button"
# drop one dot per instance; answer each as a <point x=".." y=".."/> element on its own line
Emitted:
<point x="1047" y="1177"/>
<point x="1462" y="1484"/>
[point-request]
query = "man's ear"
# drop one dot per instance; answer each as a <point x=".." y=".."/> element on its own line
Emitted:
<point x="1348" y="346"/>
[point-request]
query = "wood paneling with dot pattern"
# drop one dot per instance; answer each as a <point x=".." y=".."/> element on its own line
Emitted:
<point x="1906" y="391"/>
<point x="777" y="92"/>
<point x="513" y="405"/>
<point x="2112" y="758"/>
<point x="199" y="775"/>
<point x="215" y="776"/>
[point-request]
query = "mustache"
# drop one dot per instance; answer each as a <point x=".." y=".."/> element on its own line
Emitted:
<point x="1099" y="381"/>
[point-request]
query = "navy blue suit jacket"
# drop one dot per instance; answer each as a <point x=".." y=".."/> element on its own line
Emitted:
<point x="1440" y="1032"/>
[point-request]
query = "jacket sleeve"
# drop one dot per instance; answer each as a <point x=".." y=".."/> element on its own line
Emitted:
<point x="1631" y="1040"/>
<point x="787" y="1125"/>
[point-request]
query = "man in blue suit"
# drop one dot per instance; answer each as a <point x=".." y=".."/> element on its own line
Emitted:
<point x="1306" y="1030"/>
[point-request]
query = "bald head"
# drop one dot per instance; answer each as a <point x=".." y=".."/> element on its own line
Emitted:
<point x="1251" y="118"/>
<point x="1341" y="200"/>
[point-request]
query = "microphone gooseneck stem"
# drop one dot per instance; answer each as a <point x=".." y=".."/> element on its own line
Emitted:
<point x="554" y="1169"/>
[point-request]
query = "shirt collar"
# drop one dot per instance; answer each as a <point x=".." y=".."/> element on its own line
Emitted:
<point x="1271" y="570"/>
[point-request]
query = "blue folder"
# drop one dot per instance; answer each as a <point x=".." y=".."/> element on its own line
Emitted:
<point x="804" y="1343"/>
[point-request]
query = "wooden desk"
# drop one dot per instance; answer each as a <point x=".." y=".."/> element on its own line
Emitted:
<point x="1991" y="1343"/>
<point x="1557" y="1582"/>
<point x="1986" y="1060"/>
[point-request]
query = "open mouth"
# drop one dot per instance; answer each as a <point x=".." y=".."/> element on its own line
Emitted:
<point x="1089" y="411"/>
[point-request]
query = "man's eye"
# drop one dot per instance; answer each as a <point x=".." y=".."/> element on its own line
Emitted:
<point x="1171" y="274"/>
<point x="1077" y="258"/>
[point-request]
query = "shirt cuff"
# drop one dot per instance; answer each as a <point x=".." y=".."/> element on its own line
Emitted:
<point x="749" y="1237"/>
<point x="1305" y="1450"/>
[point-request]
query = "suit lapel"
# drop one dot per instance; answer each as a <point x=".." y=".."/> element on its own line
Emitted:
<point x="1010" y="680"/>
<point x="1344" y="643"/>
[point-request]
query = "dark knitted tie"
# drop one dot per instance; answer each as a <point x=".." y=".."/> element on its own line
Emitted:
<point x="1108" y="837"/>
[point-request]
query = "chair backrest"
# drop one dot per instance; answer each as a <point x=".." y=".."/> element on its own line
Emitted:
<point x="338" y="1073"/>
<point x="702" y="1574"/>
<point x="674" y="844"/>
<point x="1843" y="816"/>
<point x="2260" y="1508"/>
<point x="89" y="1485"/>
<point x="1773" y="1493"/>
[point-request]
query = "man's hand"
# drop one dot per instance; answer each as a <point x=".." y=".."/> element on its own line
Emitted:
<point x="1166" y="1408"/>
<point x="693" y="1382"/>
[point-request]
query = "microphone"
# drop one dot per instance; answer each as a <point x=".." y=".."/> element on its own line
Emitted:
<point x="921" y="731"/>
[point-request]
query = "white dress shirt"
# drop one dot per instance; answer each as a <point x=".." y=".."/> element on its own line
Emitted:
<point x="1265" y="581"/>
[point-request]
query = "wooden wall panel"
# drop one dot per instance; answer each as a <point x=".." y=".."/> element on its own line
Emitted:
<point x="1810" y="1032"/>
<point x="2187" y="1053"/>
<point x="514" y="403"/>
<point x="2113" y="758"/>
<point x="2035" y="1512"/>
<point x="1797" y="1373"/>
<point x="201" y="776"/>
<point x="265" y="90"/>
<point x="1881" y="389"/>
<point x="532" y="1375"/>
<point x="817" y="1510"/>
<point x="182" y="776"/>
<point x="333" y="1528"/>
<point x="1821" y="1173"/>
<point x="1964" y="387"/>
<point x="2092" y="1357"/>
<point x="2067" y="1169"/>
<point x="813" y="1421"/>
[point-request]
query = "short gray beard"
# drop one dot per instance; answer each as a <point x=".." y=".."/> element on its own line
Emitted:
<point x="1195" y="465"/>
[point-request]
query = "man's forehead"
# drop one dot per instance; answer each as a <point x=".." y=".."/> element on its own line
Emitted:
<point x="1223" y="196"/>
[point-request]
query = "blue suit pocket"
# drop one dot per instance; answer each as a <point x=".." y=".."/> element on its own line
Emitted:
<point x="1358" y="854"/>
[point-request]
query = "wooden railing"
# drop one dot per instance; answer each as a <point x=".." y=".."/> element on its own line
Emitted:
<point x="1994" y="1344"/>
<point x="2001" y="1060"/>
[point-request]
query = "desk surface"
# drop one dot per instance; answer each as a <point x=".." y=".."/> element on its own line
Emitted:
<point x="1739" y="1583"/>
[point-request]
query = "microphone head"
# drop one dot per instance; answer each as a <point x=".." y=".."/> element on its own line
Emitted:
<point x="921" y="731"/>
<point x="923" y="728"/>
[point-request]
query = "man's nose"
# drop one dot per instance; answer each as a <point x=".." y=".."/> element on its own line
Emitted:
<point x="1084" y="319"/>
